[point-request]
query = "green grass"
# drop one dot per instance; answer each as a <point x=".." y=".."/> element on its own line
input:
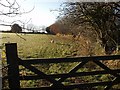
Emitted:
<point x="40" y="46"/>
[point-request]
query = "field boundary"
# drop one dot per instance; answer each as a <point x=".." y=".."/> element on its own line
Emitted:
<point x="24" y="32"/>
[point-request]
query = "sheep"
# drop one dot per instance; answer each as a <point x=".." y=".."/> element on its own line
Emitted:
<point x="52" y="41"/>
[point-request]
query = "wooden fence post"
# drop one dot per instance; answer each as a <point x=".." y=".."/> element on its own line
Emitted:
<point x="13" y="66"/>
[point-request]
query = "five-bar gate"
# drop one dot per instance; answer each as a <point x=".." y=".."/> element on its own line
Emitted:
<point x="14" y="78"/>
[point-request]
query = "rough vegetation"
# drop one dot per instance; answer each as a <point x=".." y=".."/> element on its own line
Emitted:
<point x="49" y="46"/>
<point x="102" y="19"/>
<point x="52" y="46"/>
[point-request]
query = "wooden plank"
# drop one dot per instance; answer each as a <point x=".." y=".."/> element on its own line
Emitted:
<point x="13" y="69"/>
<point x="41" y="74"/>
<point x="75" y="59"/>
<point x="73" y="70"/>
<point x="67" y="75"/>
<point x="85" y="86"/>
<point x="116" y="80"/>
<point x="106" y="68"/>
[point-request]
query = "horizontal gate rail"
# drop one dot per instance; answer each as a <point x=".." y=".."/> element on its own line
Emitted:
<point x="66" y="75"/>
<point x="75" y="59"/>
<point x="81" y="86"/>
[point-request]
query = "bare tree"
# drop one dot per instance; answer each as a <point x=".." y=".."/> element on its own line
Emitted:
<point x="103" y="17"/>
<point x="11" y="8"/>
<point x="16" y="28"/>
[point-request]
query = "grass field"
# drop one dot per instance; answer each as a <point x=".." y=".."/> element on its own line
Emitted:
<point x="52" y="46"/>
<point x="45" y="46"/>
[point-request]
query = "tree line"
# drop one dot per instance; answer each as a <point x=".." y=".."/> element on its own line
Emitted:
<point x="98" y="19"/>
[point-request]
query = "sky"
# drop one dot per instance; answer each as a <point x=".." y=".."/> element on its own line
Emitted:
<point x="41" y="15"/>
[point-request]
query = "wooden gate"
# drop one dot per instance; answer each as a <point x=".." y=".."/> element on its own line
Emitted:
<point x="14" y="78"/>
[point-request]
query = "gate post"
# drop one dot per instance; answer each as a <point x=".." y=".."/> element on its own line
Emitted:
<point x="13" y="66"/>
